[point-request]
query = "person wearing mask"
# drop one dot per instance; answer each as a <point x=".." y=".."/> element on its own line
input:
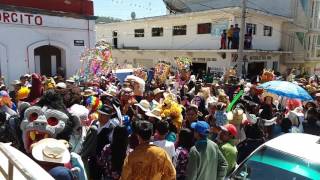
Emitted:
<point x="184" y="144"/>
<point x="229" y="36"/>
<point x="229" y="150"/>
<point x="147" y="161"/>
<point x="162" y="129"/>
<point x="113" y="155"/>
<point x="206" y="162"/>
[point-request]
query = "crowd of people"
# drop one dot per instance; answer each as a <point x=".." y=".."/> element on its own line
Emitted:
<point x="137" y="129"/>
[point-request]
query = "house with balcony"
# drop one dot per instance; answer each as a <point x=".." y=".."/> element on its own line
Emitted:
<point x="197" y="35"/>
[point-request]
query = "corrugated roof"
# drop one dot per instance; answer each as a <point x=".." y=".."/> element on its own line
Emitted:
<point x="276" y="7"/>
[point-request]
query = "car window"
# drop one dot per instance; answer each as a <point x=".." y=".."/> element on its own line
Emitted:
<point x="270" y="164"/>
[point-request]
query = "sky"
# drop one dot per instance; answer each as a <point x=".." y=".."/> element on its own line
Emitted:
<point x="122" y="8"/>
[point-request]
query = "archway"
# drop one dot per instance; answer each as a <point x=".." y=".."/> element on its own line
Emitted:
<point x="33" y="58"/>
<point x="48" y="60"/>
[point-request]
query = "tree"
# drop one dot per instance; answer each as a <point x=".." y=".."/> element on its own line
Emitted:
<point x="103" y="19"/>
<point x="133" y="15"/>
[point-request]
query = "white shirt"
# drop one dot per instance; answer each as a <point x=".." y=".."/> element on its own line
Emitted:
<point x="168" y="146"/>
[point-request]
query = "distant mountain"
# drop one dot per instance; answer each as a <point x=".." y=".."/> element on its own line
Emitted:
<point x="102" y="19"/>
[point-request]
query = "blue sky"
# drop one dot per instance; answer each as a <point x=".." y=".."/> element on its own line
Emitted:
<point x="122" y="8"/>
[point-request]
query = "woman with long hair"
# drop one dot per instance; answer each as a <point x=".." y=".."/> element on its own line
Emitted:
<point x="113" y="155"/>
<point x="184" y="143"/>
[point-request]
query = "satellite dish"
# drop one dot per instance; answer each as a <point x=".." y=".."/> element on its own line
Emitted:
<point x="133" y="15"/>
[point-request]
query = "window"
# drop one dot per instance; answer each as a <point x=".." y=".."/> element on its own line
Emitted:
<point x="180" y="30"/>
<point x="156" y="32"/>
<point x="267" y="30"/>
<point x="318" y="53"/>
<point x="139" y="33"/>
<point x="251" y="28"/>
<point x="318" y="40"/>
<point x="204" y="28"/>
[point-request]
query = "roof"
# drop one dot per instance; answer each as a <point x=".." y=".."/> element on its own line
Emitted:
<point x="222" y="12"/>
<point x="276" y="7"/>
<point x="305" y="146"/>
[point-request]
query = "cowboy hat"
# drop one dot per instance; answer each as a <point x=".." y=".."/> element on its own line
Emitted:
<point x="16" y="82"/>
<point x="88" y="92"/>
<point x="236" y="116"/>
<point x="106" y="110"/>
<point x="51" y="150"/>
<point x="144" y="105"/>
<point x="157" y="91"/>
<point x="111" y="91"/>
<point x="266" y="94"/>
<point x="156" y="113"/>
<point x="61" y="85"/>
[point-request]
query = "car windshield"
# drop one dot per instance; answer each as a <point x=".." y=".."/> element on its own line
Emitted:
<point x="271" y="164"/>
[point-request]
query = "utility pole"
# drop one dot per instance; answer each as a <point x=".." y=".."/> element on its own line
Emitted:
<point x="241" y="40"/>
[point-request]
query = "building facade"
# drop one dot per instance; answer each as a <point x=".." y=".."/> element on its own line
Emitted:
<point x="197" y="35"/>
<point x="44" y="36"/>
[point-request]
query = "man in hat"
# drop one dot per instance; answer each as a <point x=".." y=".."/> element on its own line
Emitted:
<point x="229" y="150"/>
<point x="147" y="161"/>
<point x="142" y="108"/>
<point x="16" y="86"/>
<point x="105" y="125"/>
<point x="158" y="94"/>
<point x="206" y="162"/>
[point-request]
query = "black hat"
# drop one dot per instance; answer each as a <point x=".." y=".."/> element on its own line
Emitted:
<point x="106" y="110"/>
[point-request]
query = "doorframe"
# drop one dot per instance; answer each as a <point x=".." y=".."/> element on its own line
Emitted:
<point x="65" y="54"/>
<point x="4" y="62"/>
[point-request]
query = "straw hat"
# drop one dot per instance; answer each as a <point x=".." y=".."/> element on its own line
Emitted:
<point x="157" y="91"/>
<point x="88" y="92"/>
<point x="51" y="150"/>
<point x="144" y="105"/>
<point x="111" y="91"/>
<point x="16" y="82"/>
<point x="236" y="116"/>
<point x="156" y="113"/>
<point x="266" y="94"/>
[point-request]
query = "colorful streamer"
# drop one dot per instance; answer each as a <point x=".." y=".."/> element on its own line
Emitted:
<point x="234" y="100"/>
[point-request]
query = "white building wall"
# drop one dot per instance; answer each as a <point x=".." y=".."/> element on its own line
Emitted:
<point x="57" y="31"/>
<point x="192" y="40"/>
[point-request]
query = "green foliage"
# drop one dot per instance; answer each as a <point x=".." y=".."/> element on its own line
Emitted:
<point x="102" y="19"/>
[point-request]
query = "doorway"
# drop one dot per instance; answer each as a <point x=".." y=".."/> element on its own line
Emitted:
<point x="255" y="69"/>
<point x="48" y="61"/>
<point x="115" y="39"/>
<point x="199" y="69"/>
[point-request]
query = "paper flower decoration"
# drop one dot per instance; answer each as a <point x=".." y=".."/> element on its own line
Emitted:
<point x="23" y="93"/>
<point x="162" y="72"/>
<point x="95" y="62"/>
<point x="141" y="73"/>
<point x="183" y="63"/>
<point x="172" y="109"/>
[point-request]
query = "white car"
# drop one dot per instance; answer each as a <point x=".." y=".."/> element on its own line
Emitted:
<point x="291" y="156"/>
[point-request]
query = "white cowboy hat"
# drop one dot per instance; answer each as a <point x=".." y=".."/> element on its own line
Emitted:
<point x="61" y="85"/>
<point x="156" y="113"/>
<point x="51" y="150"/>
<point x="111" y="91"/>
<point x="157" y="91"/>
<point x="144" y="105"/>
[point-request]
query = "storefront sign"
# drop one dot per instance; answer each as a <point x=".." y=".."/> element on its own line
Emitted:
<point x="78" y="42"/>
<point x="20" y="18"/>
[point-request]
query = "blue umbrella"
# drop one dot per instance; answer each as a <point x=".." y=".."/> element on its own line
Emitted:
<point x="286" y="89"/>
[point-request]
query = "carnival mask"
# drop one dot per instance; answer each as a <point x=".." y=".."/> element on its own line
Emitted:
<point x="41" y="122"/>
